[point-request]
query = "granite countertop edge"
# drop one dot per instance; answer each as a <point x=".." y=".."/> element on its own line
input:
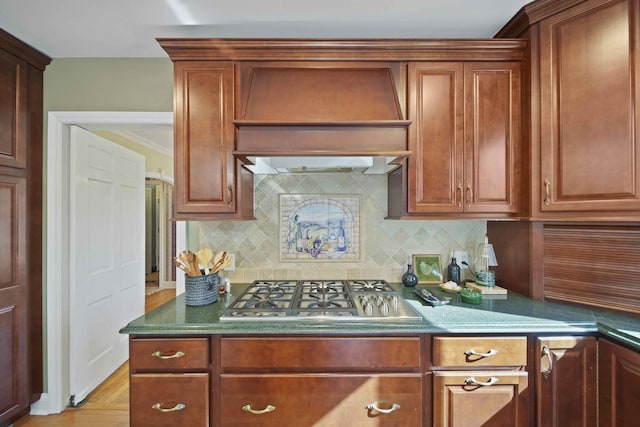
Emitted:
<point x="515" y="314"/>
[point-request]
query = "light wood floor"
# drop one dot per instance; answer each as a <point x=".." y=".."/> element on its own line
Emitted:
<point x="107" y="405"/>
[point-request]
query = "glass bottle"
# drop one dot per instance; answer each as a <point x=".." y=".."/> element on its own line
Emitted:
<point x="453" y="271"/>
<point x="409" y="278"/>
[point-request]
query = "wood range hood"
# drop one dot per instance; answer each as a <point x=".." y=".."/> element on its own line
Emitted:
<point x="320" y="110"/>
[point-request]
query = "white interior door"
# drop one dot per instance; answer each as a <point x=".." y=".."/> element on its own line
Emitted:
<point x="107" y="256"/>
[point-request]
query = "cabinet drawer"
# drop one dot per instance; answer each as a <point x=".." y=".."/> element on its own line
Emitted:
<point x="168" y="354"/>
<point x="479" y="351"/>
<point x="321" y="400"/>
<point x="314" y="354"/>
<point x="495" y="398"/>
<point x="169" y="400"/>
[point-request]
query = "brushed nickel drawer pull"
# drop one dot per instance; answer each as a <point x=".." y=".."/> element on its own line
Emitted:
<point x="374" y="407"/>
<point x="547" y="353"/>
<point x="176" y="355"/>
<point x="248" y="408"/>
<point x="473" y="381"/>
<point x="472" y="352"/>
<point x="159" y="407"/>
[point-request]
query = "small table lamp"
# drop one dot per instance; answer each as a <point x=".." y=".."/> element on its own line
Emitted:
<point x="485" y="258"/>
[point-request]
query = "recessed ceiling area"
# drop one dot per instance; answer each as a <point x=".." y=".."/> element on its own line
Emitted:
<point x="129" y="28"/>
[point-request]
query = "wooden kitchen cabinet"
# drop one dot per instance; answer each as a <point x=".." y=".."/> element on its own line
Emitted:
<point x="321" y="381"/>
<point x="321" y="400"/>
<point x="581" y="108"/>
<point x="480" y="381"/>
<point x="210" y="182"/>
<point x="465" y="137"/>
<point x="21" y="377"/>
<point x="566" y="381"/>
<point x="169" y="381"/>
<point x="619" y="385"/>
<point x="590" y="158"/>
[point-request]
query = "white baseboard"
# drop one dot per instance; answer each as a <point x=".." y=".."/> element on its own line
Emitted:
<point x="41" y="407"/>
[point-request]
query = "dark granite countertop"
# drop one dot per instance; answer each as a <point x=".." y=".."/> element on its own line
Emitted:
<point x="511" y="314"/>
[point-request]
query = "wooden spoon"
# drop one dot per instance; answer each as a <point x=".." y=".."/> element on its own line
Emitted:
<point x="204" y="256"/>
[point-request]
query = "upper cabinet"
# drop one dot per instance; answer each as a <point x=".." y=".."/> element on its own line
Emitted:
<point x="464" y="138"/>
<point x="13" y="111"/>
<point x="584" y="107"/>
<point x="449" y="107"/>
<point x="210" y="183"/>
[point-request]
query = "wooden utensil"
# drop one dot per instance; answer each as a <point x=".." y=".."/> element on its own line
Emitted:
<point x="218" y="261"/>
<point x="204" y="256"/>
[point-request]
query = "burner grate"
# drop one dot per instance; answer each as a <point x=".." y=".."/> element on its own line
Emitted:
<point x="319" y="299"/>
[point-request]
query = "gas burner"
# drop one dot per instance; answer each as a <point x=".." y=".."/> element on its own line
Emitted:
<point x="320" y="299"/>
<point x="323" y="288"/>
<point x="258" y="302"/>
<point x="370" y="286"/>
<point x="324" y="304"/>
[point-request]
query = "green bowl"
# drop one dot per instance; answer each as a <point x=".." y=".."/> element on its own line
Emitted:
<point x="470" y="296"/>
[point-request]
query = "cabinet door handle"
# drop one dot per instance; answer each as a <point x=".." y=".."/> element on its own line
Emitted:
<point x="469" y="195"/>
<point x="472" y="352"/>
<point x="547" y="353"/>
<point x="230" y="195"/>
<point x="160" y="407"/>
<point x="161" y="356"/>
<point x="268" y="408"/>
<point x="473" y="381"/>
<point x="460" y="193"/>
<point x="547" y="192"/>
<point x="374" y="407"/>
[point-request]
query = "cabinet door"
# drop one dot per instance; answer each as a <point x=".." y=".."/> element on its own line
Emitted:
<point x="566" y="381"/>
<point x="492" y="137"/>
<point x="204" y="164"/>
<point x="590" y="159"/>
<point x="13" y="298"/>
<point x="619" y="385"/>
<point x="464" y="136"/>
<point x="435" y="101"/>
<point x="321" y="400"/>
<point x="480" y="398"/>
<point x="169" y="400"/>
<point x="14" y="113"/>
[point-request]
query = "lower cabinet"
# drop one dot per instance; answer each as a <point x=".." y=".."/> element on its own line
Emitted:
<point x="480" y="398"/>
<point x="169" y="381"/>
<point x="480" y="381"/>
<point x="169" y="400"/>
<point x="566" y="381"/>
<point x="321" y="400"/>
<point x="619" y="385"/>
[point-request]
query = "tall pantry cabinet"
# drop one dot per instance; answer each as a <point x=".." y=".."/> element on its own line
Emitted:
<point x="21" y="70"/>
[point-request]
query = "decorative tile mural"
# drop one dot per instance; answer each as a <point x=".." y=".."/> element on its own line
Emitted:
<point x="318" y="227"/>
<point x="385" y="249"/>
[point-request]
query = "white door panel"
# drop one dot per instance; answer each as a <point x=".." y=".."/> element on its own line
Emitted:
<point x="107" y="253"/>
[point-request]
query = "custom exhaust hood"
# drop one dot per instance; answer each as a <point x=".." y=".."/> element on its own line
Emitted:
<point x="320" y="117"/>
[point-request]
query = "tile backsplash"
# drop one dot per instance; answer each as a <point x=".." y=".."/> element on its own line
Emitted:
<point x="386" y="244"/>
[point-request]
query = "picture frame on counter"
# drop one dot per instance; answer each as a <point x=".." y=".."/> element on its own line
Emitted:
<point x="428" y="268"/>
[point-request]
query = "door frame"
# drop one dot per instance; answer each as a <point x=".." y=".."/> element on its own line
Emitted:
<point x="56" y="266"/>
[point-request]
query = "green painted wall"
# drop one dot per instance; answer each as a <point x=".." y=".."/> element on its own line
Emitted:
<point x="108" y="84"/>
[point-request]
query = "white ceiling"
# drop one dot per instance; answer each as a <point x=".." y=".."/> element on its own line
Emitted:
<point x="128" y="28"/>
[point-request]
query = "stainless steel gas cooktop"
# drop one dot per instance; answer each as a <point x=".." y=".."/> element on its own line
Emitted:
<point x="320" y="300"/>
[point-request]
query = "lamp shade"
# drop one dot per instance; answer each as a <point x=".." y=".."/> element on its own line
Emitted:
<point x="485" y="256"/>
